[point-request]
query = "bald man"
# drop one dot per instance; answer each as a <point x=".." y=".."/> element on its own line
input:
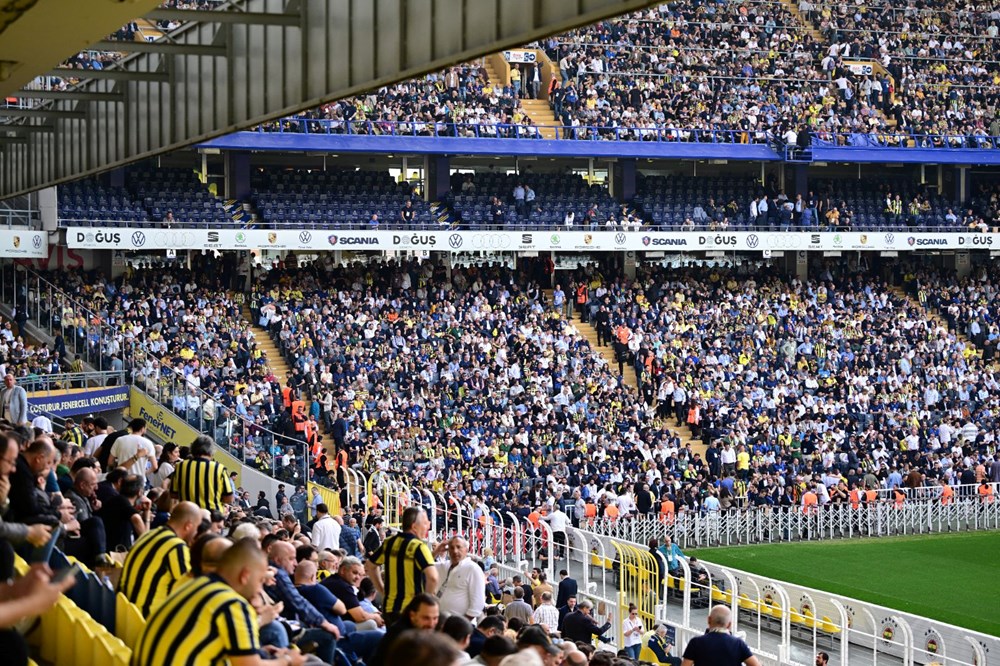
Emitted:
<point x="160" y="558"/>
<point x="324" y="633"/>
<point x="177" y="634"/>
<point x="717" y="647"/>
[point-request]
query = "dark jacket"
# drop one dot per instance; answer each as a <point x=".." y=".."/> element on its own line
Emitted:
<point x="28" y="503"/>
<point x="579" y="627"/>
<point x="567" y="588"/>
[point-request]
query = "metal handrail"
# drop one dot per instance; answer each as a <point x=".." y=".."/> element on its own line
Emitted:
<point x="46" y="384"/>
<point x="659" y="133"/>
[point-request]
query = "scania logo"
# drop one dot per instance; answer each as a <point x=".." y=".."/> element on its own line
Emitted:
<point x="890" y="239"/>
<point x="455" y="241"/>
<point x="305" y="237"/>
<point x="36" y="241"/>
<point x="138" y="239"/>
<point x="912" y="241"/>
<point x="332" y="239"/>
<point x="619" y="238"/>
<point x="753" y="240"/>
<point x="646" y="240"/>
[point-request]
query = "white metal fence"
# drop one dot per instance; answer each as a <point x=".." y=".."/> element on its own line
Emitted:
<point x="833" y="521"/>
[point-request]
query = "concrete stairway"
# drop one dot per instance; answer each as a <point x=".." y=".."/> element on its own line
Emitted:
<point x="934" y="316"/>
<point x="542" y="117"/>
<point x="630" y="380"/>
<point x="793" y="7"/>
<point x="536" y="109"/>
<point x="279" y="366"/>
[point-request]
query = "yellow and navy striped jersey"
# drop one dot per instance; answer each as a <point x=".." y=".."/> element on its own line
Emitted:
<point x="403" y="558"/>
<point x="157" y="561"/>
<point x="203" y="622"/>
<point x="202" y="481"/>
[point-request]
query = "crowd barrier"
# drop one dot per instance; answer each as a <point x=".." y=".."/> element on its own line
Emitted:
<point x="691" y="529"/>
<point x="783" y="623"/>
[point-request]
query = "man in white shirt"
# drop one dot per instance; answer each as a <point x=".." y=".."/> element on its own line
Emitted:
<point x="558" y="520"/>
<point x="326" y="530"/>
<point x="94" y="442"/>
<point x="463" y="587"/>
<point x="547" y="614"/>
<point x="133" y="451"/>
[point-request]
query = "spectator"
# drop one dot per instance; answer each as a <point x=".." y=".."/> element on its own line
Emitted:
<point x="462" y="590"/>
<point x="421" y="614"/>
<point x="402" y="571"/>
<point x="201" y="480"/>
<point x="160" y="560"/>
<point x="717" y="646"/>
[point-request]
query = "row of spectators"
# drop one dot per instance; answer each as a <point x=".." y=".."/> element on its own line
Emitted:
<point x="460" y="101"/>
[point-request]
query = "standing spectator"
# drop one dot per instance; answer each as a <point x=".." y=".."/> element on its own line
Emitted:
<point x="133" y="451"/>
<point x="350" y="538"/>
<point x="159" y="560"/>
<point x="567" y="588"/>
<point x="13" y="401"/>
<point x="463" y="583"/>
<point x="202" y="480"/>
<point x="632" y="630"/>
<point x="580" y="626"/>
<point x="402" y="567"/>
<point x="518" y="608"/>
<point x="177" y="632"/>
<point x="717" y="647"/>
<point x="326" y="530"/>
<point x="546" y="615"/>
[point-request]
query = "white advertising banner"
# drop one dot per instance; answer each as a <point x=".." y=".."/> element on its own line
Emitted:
<point x="24" y="244"/>
<point x="124" y="238"/>
<point x="520" y="56"/>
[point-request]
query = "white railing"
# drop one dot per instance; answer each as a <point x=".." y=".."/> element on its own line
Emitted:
<point x="784" y="624"/>
<point x="966" y="511"/>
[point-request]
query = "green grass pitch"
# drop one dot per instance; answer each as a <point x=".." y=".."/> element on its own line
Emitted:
<point x="954" y="578"/>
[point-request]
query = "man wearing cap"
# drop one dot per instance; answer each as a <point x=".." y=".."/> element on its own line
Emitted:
<point x="580" y="626"/>
<point x="534" y="638"/>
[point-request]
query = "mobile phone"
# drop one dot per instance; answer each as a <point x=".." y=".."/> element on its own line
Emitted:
<point x="63" y="574"/>
<point x="42" y="554"/>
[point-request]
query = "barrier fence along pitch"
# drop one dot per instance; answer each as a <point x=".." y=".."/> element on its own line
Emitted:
<point x="750" y="526"/>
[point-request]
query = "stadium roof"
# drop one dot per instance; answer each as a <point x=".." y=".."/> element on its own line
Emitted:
<point x="230" y="68"/>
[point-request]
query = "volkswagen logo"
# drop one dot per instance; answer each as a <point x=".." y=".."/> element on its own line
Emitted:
<point x="305" y="237"/>
<point x="619" y="238"/>
<point x="138" y="239"/>
<point x="890" y="239"/>
<point x="455" y="241"/>
<point x="753" y="240"/>
<point x="36" y="241"/>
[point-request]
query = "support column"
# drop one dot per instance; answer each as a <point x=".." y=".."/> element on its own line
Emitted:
<point x="437" y="177"/>
<point x="797" y="264"/>
<point x="237" y="175"/>
<point x="623" y="179"/>
<point x="48" y="208"/>
<point x="962" y="184"/>
<point x="801" y="180"/>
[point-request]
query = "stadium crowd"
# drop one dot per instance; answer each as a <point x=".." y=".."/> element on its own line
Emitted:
<point x="460" y="101"/>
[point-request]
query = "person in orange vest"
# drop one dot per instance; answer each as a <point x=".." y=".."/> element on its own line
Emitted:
<point x="611" y="511"/>
<point x="855" y="496"/>
<point x="986" y="495"/>
<point x="666" y="511"/>
<point x="871" y="496"/>
<point x="590" y="511"/>
<point x="581" y="300"/>
<point x="810" y="501"/>
<point x="299" y="416"/>
<point x="898" y="497"/>
<point x="286" y="397"/>
<point x="947" y="494"/>
<point x="534" y="517"/>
